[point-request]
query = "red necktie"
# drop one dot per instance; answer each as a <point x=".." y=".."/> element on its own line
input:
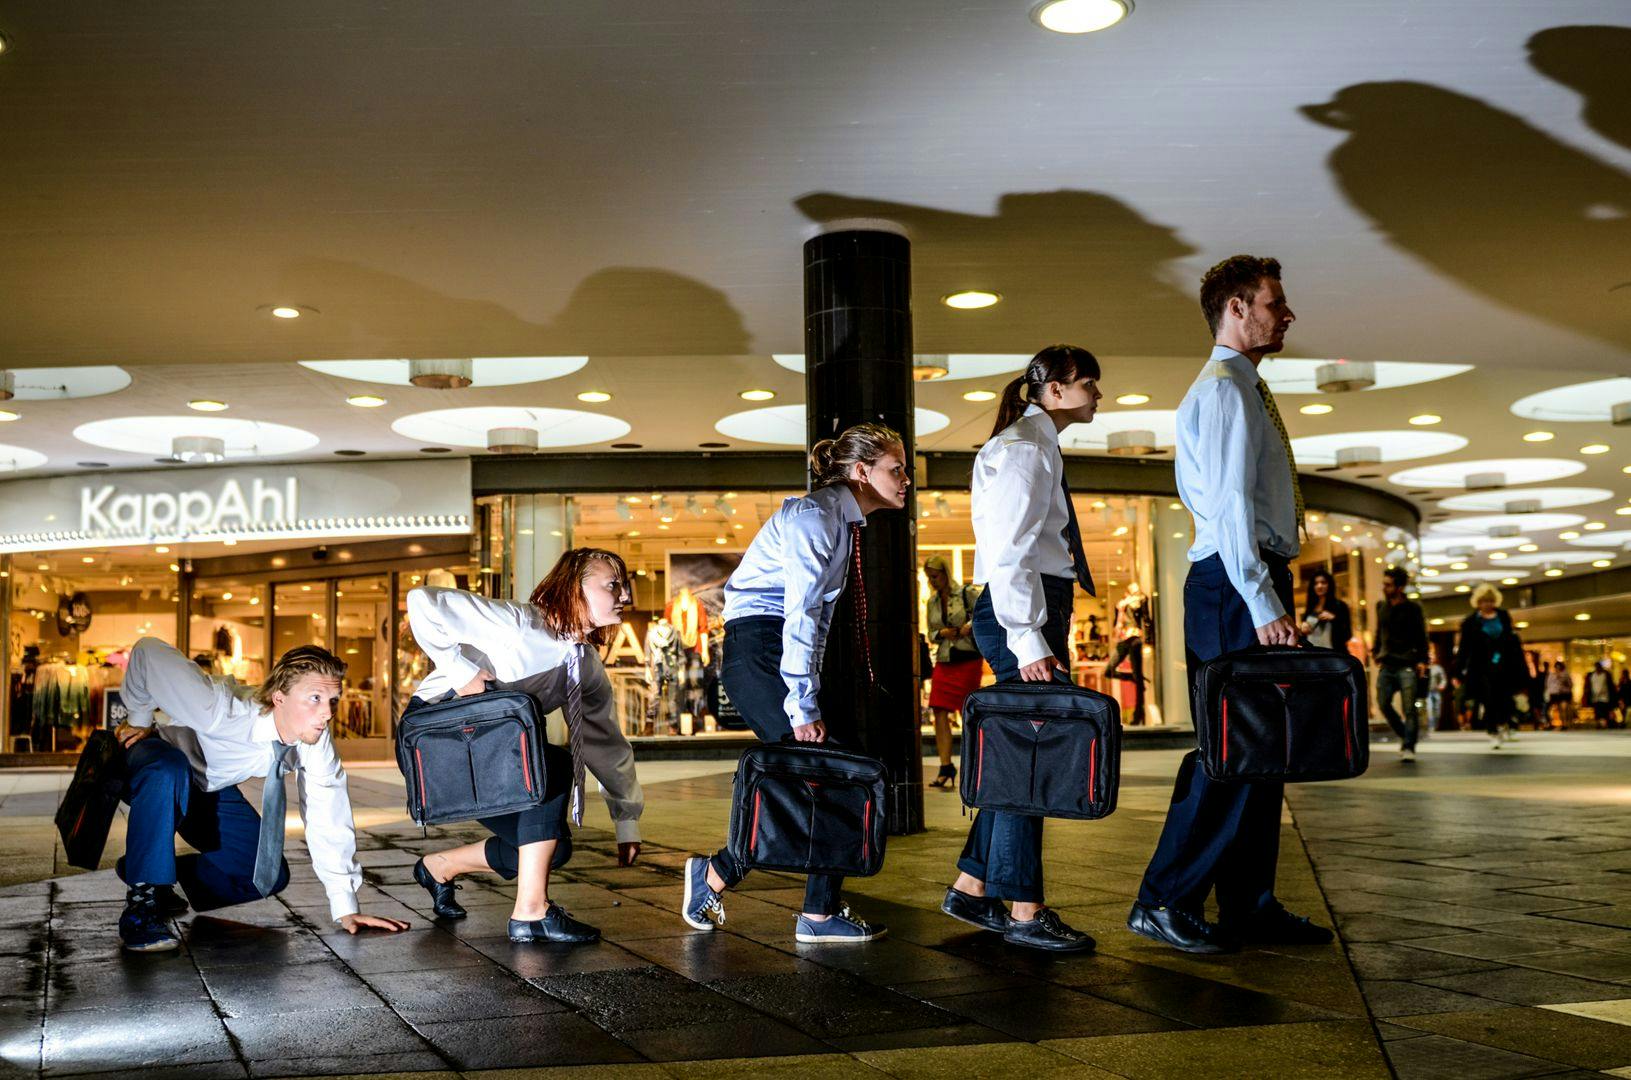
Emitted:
<point x="863" y="639"/>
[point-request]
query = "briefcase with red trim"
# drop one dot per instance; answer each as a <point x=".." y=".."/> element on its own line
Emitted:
<point x="1276" y="712"/>
<point x="472" y="757"/>
<point x="1047" y="749"/>
<point x="810" y="808"/>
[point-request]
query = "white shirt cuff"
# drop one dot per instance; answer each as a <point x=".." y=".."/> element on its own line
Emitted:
<point x="628" y="832"/>
<point x="1265" y="608"/>
<point x="1028" y="646"/>
<point x="341" y="904"/>
<point x="458" y="671"/>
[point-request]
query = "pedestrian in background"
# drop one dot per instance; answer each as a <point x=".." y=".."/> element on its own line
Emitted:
<point x="1401" y="654"/>
<point x="1489" y="662"/>
<point x="1326" y="622"/>
<point x="958" y="667"/>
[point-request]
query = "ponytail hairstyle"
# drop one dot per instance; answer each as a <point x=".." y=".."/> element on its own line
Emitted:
<point x="832" y="459"/>
<point x="1056" y="363"/>
<point x="560" y="595"/>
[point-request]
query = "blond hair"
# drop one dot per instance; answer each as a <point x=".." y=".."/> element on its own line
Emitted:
<point x="832" y="459"/>
<point x="295" y="665"/>
<point x="1485" y="590"/>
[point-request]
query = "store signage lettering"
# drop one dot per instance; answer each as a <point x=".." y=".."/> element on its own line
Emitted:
<point x="104" y="510"/>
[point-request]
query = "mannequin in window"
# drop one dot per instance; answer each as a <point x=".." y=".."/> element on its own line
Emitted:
<point x="1132" y="620"/>
<point x="662" y="664"/>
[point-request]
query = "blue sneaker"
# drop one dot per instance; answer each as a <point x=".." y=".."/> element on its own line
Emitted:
<point x="142" y="927"/>
<point x="702" y="908"/>
<point x="840" y="929"/>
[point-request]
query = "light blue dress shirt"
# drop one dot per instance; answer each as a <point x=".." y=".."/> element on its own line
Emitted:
<point x="795" y="570"/>
<point x="1234" y="477"/>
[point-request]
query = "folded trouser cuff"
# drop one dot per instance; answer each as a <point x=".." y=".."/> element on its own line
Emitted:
<point x="1024" y="892"/>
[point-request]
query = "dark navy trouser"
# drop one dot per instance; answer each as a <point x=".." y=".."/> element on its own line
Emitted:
<point x="220" y="824"/>
<point x="1004" y="850"/>
<point x="1222" y="835"/>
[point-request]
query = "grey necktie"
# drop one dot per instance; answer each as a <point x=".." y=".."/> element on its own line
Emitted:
<point x="574" y="732"/>
<point x="274" y="805"/>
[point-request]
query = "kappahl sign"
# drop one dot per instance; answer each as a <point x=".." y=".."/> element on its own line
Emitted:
<point x="233" y="506"/>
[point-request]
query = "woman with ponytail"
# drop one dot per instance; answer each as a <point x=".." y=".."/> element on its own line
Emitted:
<point x="778" y="609"/>
<point x="1028" y="559"/>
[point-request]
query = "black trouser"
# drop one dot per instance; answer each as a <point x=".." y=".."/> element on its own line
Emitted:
<point x="1218" y="833"/>
<point x="753" y="679"/>
<point x="1132" y="647"/>
<point x="546" y="821"/>
<point x="1004" y="849"/>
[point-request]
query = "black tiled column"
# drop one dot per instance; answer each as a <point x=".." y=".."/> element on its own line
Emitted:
<point x="858" y="363"/>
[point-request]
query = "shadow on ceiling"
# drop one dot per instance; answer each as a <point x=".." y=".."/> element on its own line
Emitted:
<point x="1494" y="202"/>
<point x="619" y="311"/>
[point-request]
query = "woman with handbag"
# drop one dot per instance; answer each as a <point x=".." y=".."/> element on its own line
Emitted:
<point x="1029" y="559"/>
<point x="778" y="609"/>
<point x="958" y="666"/>
<point x="545" y="648"/>
<point x="1326" y="621"/>
<point x="1489" y="662"/>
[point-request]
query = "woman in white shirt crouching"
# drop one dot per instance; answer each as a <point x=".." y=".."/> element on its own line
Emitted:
<point x="545" y="648"/>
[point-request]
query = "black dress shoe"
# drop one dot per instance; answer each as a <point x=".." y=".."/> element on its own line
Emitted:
<point x="1180" y="929"/>
<point x="442" y="900"/>
<point x="1047" y="931"/>
<point x="556" y="925"/>
<point x="170" y="904"/>
<point x="1277" y="926"/>
<point x="981" y="911"/>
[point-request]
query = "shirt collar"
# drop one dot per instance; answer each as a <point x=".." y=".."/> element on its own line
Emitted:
<point x="1044" y="426"/>
<point x="263" y="729"/>
<point x="849" y="506"/>
<point x="1237" y="362"/>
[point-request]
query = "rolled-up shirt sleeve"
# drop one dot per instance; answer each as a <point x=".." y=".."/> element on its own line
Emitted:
<point x="810" y="544"/>
<point x="1017" y="503"/>
<point x="160" y="676"/>
<point x="331" y="835"/>
<point x="1228" y="468"/>
<point x="607" y="754"/>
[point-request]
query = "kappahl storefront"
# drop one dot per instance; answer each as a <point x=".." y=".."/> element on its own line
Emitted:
<point x="234" y="566"/>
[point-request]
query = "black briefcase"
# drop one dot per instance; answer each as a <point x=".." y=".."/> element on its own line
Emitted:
<point x="810" y="808"/>
<point x="472" y="757"/>
<point x="1048" y="749"/>
<point x="1276" y="712"/>
<point x="92" y="798"/>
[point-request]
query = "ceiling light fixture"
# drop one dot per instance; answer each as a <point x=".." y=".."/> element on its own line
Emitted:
<point x="5" y="43"/>
<point x="1595" y="448"/>
<point x="1569" y="535"/>
<point x="207" y="405"/>
<point x="441" y="374"/>
<point x="1319" y="408"/>
<point x="1344" y="376"/>
<point x="971" y="299"/>
<point x="198" y="448"/>
<point x="757" y="395"/>
<point x="928" y="367"/>
<point x="1521" y="625"/>
<point x="1528" y="547"/>
<point x="1539" y="436"/>
<point x="980" y="395"/>
<point x="1602" y="564"/>
<point x="1425" y="419"/>
<point x="594" y="397"/>
<point x="7" y="416"/>
<point x="283" y="312"/>
<point x="1509" y="581"/>
<point x="1080" y="16"/>
<point x="1582" y="617"/>
<point x="1133" y="399"/>
<point x="365" y="401"/>
<point x="1554" y="572"/>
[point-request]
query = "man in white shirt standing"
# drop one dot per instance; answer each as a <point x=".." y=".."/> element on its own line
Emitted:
<point x="185" y="781"/>
<point x="1236" y="476"/>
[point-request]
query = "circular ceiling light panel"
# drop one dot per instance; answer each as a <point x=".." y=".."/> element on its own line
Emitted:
<point x="1286" y="376"/>
<point x="1620" y="538"/>
<point x="1393" y="445"/>
<point x="1515" y="470"/>
<point x="485" y="370"/>
<point x="54" y="384"/>
<point x="18" y="458"/>
<point x="1452" y="577"/>
<point x="1163" y="423"/>
<point x="470" y="426"/>
<point x="1577" y="403"/>
<point x="1481" y="524"/>
<point x="154" y="436"/>
<point x="784" y="425"/>
<point x="958" y="365"/>
<point x="1560" y="558"/>
<point x="1441" y="545"/>
<point x="1552" y="498"/>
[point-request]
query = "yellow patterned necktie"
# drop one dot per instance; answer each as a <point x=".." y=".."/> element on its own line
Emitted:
<point x="1285" y="440"/>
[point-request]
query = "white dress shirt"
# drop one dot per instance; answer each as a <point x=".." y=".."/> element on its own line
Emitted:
<point x="228" y="740"/>
<point x="1234" y="477"/>
<point x="795" y="570"/>
<point x="1020" y="516"/>
<point x="463" y="633"/>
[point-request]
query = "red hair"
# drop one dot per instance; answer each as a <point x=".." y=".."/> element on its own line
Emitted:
<point x="560" y="595"/>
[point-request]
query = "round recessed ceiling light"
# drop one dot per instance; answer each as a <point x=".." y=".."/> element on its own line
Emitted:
<point x="1595" y="448"/>
<point x="1582" y="617"/>
<point x="983" y="395"/>
<point x="207" y="405"/>
<point x="1509" y="581"/>
<point x="5" y="43"/>
<point x="1538" y="436"/>
<point x="154" y="435"/>
<point x="286" y="313"/>
<point x="365" y="401"/>
<point x="1425" y="419"/>
<point x="1512" y="470"/>
<point x="970" y="299"/>
<point x="1543" y="498"/>
<point x="1316" y="409"/>
<point x="1128" y="399"/>
<point x="1580" y="402"/>
<point x="1602" y="564"/>
<point x="7" y="416"/>
<point x="757" y="395"/>
<point x="1387" y="446"/>
<point x="594" y="397"/>
<point x="1080" y="16"/>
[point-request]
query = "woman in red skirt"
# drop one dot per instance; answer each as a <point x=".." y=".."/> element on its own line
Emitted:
<point x="958" y="667"/>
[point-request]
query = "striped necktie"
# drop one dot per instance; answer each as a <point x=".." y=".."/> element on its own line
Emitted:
<point x="1285" y="440"/>
<point x="574" y="730"/>
<point x="274" y="808"/>
<point x="862" y="638"/>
